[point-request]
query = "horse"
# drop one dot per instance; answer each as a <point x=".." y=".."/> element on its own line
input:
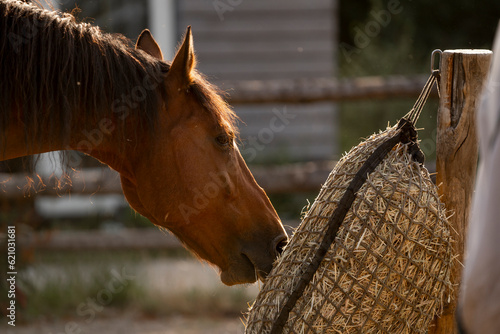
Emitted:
<point x="67" y="85"/>
<point x="478" y="308"/>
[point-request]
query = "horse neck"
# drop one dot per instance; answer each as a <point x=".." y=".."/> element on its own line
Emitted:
<point x="99" y="141"/>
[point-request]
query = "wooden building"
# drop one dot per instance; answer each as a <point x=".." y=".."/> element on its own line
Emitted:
<point x="269" y="40"/>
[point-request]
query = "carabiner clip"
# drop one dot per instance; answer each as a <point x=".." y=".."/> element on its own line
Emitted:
<point x="433" y="60"/>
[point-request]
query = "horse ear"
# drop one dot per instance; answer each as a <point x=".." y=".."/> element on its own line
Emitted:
<point x="147" y="43"/>
<point x="184" y="61"/>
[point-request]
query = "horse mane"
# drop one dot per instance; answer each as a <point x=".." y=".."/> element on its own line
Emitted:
<point x="56" y="73"/>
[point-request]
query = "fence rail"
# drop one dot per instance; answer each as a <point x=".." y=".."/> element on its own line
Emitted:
<point x="122" y="239"/>
<point x="290" y="178"/>
<point x="323" y="89"/>
<point x="97" y="240"/>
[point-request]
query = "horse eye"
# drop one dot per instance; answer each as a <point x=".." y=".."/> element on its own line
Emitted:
<point x="223" y="140"/>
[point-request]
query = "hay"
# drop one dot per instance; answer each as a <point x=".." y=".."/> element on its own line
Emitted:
<point x="388" y="269"/>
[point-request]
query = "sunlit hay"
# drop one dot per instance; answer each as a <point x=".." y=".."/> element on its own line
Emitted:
<point x="388" y="270"/>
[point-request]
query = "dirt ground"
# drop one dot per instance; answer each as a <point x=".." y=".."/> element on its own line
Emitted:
<point x="134" y="325"/>
<point x="176" y="284"/>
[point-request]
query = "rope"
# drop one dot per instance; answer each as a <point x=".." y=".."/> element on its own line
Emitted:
<point x="413" y="115"/>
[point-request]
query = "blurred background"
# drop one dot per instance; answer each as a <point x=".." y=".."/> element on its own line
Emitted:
<point x="309" y="80"/>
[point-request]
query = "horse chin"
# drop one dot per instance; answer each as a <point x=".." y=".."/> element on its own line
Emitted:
<point x="240" y="272"/>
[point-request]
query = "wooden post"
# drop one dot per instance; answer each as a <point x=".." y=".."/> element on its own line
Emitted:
<point x="463" y="73"/>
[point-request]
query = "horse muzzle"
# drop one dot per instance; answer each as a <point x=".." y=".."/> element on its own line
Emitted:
<point x="253" y="263"/>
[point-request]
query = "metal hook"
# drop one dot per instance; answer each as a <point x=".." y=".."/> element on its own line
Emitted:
<point x="433" y="60"/>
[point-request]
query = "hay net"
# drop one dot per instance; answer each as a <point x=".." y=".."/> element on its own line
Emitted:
<point x="387" y="270"/>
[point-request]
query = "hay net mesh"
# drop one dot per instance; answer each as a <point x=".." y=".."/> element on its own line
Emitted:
<point x="387" y="270"/>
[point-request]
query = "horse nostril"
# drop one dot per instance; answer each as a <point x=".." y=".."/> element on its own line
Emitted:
<point x="280" y="245"/>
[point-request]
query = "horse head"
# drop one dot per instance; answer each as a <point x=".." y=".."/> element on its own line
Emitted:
<point x="191" y="179"/>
